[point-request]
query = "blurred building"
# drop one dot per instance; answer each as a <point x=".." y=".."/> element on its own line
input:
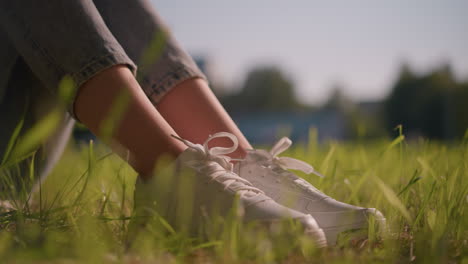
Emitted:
<point x="267" y="127"/>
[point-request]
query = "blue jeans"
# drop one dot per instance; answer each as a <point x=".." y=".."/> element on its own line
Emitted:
<point x="42" y="42"/>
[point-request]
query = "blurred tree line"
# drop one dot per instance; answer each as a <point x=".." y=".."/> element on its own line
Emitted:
<point x="266" y="88"/>
<point x="432" y="105"/>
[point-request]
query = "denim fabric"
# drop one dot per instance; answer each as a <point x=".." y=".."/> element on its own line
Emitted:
<point x="162" y="62"/>
<point x="41" y="42"/>
<point x="29" y="102"/>
<point x="82" y="37"/>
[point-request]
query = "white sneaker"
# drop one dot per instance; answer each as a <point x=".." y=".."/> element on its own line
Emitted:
<point x="268" y="172"/>
<point x="208" y="187"/>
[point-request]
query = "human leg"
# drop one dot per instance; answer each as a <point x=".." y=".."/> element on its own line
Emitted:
<point x="194" y="112"/>
<point x="139" y="129"/>
<point x="171" y="80"/>
<point x="42" y="37"/>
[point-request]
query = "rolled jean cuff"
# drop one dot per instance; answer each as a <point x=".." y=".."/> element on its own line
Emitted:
<point x="96" y="66"/>
<point x="157" y="89"/>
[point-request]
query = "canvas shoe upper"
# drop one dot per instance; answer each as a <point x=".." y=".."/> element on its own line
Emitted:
<point x="203" y="184"/>
<point x="268" y="172"/>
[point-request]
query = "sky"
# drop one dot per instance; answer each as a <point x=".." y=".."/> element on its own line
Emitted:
<point x="358" y="45"/>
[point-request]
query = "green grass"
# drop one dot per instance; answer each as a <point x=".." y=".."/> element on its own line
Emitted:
<point x="81" y="213"/>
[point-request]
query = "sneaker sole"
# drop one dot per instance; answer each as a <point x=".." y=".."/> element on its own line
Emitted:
<point x="319" y="237"/>
<point x="332" y="232"/>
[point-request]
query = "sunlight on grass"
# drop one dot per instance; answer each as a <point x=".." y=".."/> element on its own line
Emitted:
<point x="85" y="206"/>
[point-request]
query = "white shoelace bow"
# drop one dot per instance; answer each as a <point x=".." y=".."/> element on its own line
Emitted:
<point x="286" y="162"/>
<point x="217" y="156"/>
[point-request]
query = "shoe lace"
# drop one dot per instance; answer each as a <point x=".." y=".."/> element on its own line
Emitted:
<point x="286" y="163"/>
<point x="215" y="163"/>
